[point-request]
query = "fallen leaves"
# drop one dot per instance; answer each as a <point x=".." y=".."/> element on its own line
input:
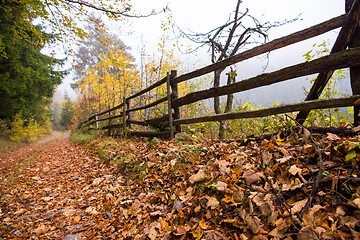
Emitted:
<point x="209" y="190"/>
<point x="198" y="177"/>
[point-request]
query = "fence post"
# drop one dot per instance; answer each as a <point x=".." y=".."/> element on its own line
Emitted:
<point x="175" y="95"/>
<point x="128" y="106"/>
<point x="124" y="117"/>
<point x="354" y="70"/>
<point x="168" y="92"/>
<point x="97" y="123"/>
<point x="109" y="122"/>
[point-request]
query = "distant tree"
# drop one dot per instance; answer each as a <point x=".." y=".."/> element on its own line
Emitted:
<point x="67" y="112"/>
<point x="56" y="111"/>
<point x="93" y="48"/>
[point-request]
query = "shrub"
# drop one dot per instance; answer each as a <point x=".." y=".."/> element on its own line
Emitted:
<point x="27" y="130"/>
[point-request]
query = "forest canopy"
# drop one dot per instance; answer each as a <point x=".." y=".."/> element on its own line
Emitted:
<point x="27" y="77"/>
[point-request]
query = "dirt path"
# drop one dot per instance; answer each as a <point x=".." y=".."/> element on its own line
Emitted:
<point x="51" y="190"/>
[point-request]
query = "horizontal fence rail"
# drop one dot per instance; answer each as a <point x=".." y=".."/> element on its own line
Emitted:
<point x="295" y="107"/>
<point x="338" y="58"/>
<point x="331" y="62"/>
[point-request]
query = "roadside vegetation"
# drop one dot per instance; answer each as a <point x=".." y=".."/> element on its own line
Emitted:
<point x="198" y="188"/>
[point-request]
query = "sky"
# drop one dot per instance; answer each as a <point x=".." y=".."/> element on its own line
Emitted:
<point x="204" y="15"/>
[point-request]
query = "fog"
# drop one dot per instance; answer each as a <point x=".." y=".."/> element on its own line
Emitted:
<point x="204" y="15"/>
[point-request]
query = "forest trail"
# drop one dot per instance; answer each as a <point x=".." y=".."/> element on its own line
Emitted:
<point x="47" y="190"/>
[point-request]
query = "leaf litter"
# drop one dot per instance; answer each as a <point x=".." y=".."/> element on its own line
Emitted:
<point x="128" y="189"/>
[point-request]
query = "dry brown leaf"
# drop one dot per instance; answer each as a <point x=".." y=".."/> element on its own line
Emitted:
<point x="356" y="202"/>
<point x="243" y="237"/>
<point x="284" y="159"/>
<point x="356" y="129"/>
<point x="332" y="137"/>
<point x="214" y="235"/>
<point x="266" y="208"/>
<point x="251" y="177"/>
<point x="36" y="178"/>
<point x="266" y="157"/>
<point x="298" y="206"/>
<point x="198" y="177"/>
<point x="277" y="233"/>
<point x="18" y="212"/>
<point x="341" y="211"/>
<point x="238" y="196"/>
<point x="97" y="181"/>
<point x="253" y="223"/>
<point x="306" y="136"/>
<point x="136" y="206"/>
<point x="197" y="209"/>
<point x="152" y="233"/>
<point x="307" y="233"/>
<point x="295" y="170"/>
<point x="221" y="186"/>
<point x="212" y="203"/>
<point x="40" y="230"/>
<point x="310" y="216"/>
<point x="179" y="231"/>
<point x="223" y="167"/>
<point x="91" y="210"/>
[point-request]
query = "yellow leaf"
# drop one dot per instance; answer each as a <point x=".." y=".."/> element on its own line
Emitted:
<point x="203" y="224"/>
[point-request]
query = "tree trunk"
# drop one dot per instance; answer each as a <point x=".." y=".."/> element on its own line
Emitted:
<point x="217" y="107"/>
<point x="229" y="100"/>
<point x="354" y="71"/>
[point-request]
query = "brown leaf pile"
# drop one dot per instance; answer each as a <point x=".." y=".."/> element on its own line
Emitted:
<point x="208" y="190"/>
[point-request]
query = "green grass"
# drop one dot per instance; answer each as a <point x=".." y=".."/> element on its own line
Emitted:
<point x="6" y="144"/>
<point x="82" y="136"/>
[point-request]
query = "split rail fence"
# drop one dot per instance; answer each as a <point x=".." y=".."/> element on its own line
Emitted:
<point x="340" y="57"/>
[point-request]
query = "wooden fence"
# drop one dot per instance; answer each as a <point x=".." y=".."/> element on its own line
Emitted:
<point x="340" y="57"/>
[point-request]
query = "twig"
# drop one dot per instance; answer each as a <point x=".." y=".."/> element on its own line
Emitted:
<point x="320" y="130"/>
<point x="280" y="197"/>
<point x="331" y="179"/>
<point x="112" y="12"/>
<point x="319" y="177"/>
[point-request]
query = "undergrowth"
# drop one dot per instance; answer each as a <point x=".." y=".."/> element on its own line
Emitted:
<point x="83" y="135"/>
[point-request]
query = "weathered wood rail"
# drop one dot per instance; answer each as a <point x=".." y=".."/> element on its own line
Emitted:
<point x="340" y="57"/>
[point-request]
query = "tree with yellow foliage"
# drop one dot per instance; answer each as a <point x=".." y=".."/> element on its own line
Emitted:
<point x="108" y="80"/>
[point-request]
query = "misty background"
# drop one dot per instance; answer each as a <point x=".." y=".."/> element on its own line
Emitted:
<point x="203" y="16"/>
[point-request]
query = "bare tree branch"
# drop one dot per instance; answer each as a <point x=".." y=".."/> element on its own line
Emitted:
<point x="112" y="12"/>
